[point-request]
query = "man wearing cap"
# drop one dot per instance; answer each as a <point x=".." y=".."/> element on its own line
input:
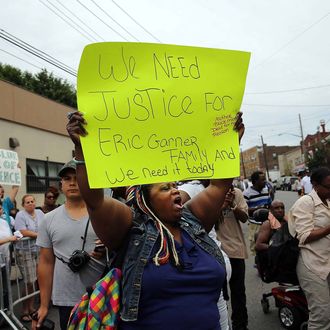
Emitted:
<point x="65" y="230"/>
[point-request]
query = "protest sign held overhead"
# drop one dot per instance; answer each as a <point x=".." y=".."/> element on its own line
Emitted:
<point x="159" y="112"/>
<point x="10" y="173"/>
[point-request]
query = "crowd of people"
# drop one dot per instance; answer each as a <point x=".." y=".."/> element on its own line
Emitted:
<point x="185" y="248"/>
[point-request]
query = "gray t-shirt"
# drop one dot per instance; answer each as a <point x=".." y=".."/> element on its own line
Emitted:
<point x="64" y="235"/>
<point x="24" y="221"/>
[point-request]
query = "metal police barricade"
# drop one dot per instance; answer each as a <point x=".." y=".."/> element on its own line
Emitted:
<point x="6" y="302"/>
<point x="23" y="286"/>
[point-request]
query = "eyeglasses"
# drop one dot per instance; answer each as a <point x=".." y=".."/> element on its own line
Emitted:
<point x="50" y="197"/>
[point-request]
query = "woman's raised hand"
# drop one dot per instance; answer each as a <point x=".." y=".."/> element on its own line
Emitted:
<point x="75" y="126"/>
<point x="239" y="125"/>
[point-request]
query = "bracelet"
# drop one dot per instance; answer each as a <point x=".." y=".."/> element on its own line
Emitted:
<point x="78" y="162"/>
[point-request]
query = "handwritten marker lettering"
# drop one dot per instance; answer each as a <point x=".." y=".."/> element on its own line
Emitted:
<point x="159" y="112"/>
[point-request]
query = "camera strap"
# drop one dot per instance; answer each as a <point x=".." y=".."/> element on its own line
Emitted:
<point x="83" y="244"/>
<point x="85" y="235"/>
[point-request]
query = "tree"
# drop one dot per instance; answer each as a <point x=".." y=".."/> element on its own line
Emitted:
<point x="42" y="83"/>
<point x="12" y="74"/>
<point x="320" y="157"/>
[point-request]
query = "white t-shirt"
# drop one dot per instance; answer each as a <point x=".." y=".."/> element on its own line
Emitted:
<point x="306" y="184"/>
<point x="192" y="188"/>
<point x="4" y="233"/>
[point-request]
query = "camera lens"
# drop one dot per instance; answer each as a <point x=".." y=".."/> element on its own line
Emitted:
<point x="76" y="261"/>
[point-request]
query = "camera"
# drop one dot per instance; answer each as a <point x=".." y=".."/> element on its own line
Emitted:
<point x="47" y="324"/>
<point x="78" y="260"/>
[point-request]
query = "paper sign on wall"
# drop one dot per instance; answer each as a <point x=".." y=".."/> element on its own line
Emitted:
<point x="159" y="112"/>
<point x="10" y="174"/>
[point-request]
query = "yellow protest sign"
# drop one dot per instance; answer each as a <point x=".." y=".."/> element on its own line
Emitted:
<point x="159" y="112"/>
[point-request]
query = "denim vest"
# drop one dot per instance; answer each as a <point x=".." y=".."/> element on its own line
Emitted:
<point x="143" y="237"/>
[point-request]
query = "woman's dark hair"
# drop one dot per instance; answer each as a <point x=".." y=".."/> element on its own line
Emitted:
<point x="52" y="190"/>
<point x="145" y="189"/>
<point x="319" y="174"/>
<point x="138" y="197"/>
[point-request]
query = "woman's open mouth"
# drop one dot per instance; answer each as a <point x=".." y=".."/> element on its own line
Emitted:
<point x="178" y="202"/>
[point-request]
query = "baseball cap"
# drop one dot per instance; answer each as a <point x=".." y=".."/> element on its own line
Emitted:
<point x="70" y="165"/>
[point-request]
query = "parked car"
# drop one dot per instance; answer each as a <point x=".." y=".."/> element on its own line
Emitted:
<point x="286" y="183"/>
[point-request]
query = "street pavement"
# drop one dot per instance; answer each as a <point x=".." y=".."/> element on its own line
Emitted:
<point x="254" y="286"/>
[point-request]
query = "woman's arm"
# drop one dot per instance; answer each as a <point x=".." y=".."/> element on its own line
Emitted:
<point x="28" y="233"/>
<point x="206" y="206"/>
<point x="110" y="218"/>
<point x="302" y="213"/>
<point x="317" y="234"/>
<point x="8" y="239"/>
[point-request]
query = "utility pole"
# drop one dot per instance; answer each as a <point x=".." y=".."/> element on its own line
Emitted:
<point x="244" y="173"/>
<point x="265" y="157"/>
<point x="302" y="140"/>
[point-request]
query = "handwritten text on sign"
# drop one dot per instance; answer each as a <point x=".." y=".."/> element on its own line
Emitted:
<point x="159" y="112"/>
<point x="10" y="174"/>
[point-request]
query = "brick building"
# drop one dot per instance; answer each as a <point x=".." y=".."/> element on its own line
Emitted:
<point x="313" y="142"/>
<point x="254" y="159"/>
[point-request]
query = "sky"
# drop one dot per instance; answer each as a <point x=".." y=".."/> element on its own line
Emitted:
<point x="289" y="72"/>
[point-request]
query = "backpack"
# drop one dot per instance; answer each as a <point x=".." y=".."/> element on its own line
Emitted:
<point x="278" y="263"/>
<point x="99" y="306"/>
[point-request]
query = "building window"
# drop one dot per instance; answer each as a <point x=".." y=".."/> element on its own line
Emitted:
<point x="41" y="174"/>
<point x="274" y="155"/>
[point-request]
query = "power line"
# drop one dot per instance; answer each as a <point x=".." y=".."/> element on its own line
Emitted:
<point x="27" y="56"/>
<point x="9" y="53"/>
<point x="81" y="33"/>
<point x="292" y="40"/>
<point x="288" y="105"/>
<point x="69" y="18"/>
<point x="289" y="90"/>
<point x="32" y="50"/>
<point x="38" y="67"/>
<point x="114" y="20"/>
<point x="100" y="19"/>
<point x="81" y="21"/>
<point x="135" y="21"/>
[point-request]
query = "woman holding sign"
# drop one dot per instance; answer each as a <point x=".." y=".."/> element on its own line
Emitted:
<point x="173" y="272"/>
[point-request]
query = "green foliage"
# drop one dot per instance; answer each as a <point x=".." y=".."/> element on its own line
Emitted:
<point x="321" y="156"/>
<point x="42" y="83"/>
